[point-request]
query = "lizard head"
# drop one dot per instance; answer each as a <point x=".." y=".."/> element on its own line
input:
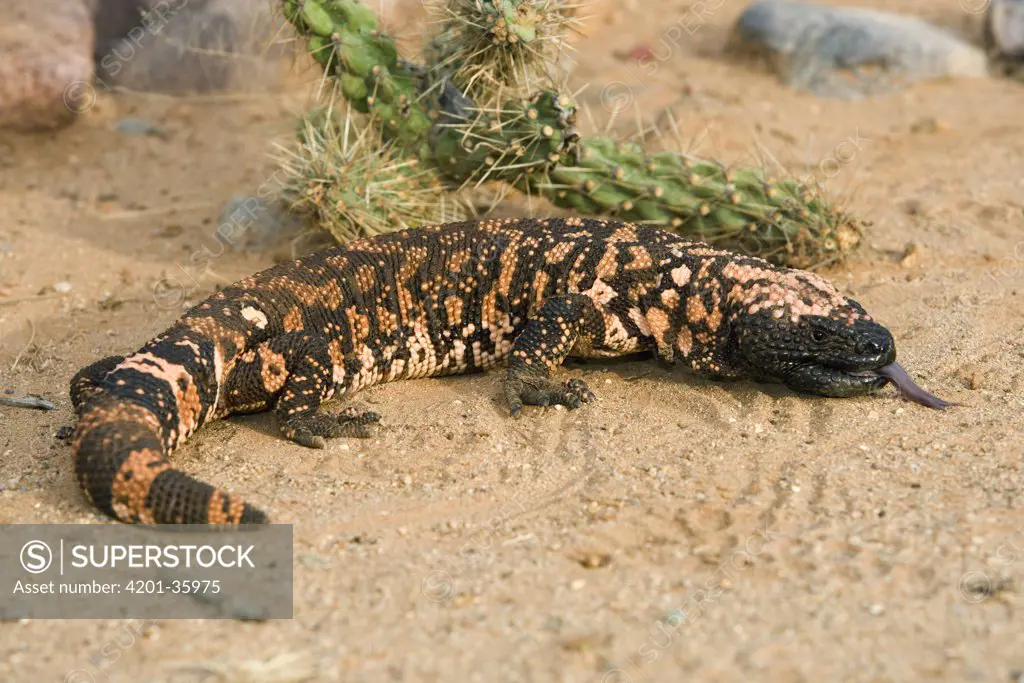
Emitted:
<point x="817" y="354"/>
<point x="796" y="328"/>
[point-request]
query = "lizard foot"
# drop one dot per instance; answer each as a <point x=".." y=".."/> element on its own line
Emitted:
<point x="313" y="431"/>
<point x="538" y="391"/>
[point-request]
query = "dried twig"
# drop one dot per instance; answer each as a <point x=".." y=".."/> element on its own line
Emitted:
<point x="28" y="401"/>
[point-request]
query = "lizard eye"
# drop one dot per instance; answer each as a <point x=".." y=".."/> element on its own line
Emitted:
<point x="819" y="335"/>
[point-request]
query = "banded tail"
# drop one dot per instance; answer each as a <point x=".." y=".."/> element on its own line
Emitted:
<point x="132" y="412"/>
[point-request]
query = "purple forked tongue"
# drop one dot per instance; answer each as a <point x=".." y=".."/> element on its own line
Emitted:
<point x="909" y="389"/>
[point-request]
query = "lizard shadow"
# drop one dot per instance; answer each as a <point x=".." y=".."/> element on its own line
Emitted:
<point x="639" y="365"/>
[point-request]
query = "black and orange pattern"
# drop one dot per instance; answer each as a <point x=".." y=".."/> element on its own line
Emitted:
<point x="444" y="300"/>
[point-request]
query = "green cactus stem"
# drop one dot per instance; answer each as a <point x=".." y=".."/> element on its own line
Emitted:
<point x="494" y="49"/>
<point x="354" y="185"/>
<point x="739" y="208"/>
<point x="535" y="147"/>
<point x="344" y="37"/>
<point x="471" y="146"/>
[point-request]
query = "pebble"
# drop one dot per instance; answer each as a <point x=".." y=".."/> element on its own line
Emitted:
<point x="910" y="256"/>
<point x="134" y="126"/>
<point x="62" y="287"/>
<point x="1004" y="29"/>
<point x="851" y="53"/>
<point x="876" y="610"/>
<point x="929" y="125"/>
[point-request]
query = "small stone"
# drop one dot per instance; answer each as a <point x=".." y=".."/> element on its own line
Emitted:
<point x="971" y="376"/>
<point x="135" y="126"/>
<point x="911" y="252"/>
<point x="251" y="223"/>
<point x="248" y="612"/>
<point x="577" y="584"/>
<point x="929" y="125"/>
<point x="876" y="610"/>
<point x="594" y="560"/>
<point x="62" y="287"/>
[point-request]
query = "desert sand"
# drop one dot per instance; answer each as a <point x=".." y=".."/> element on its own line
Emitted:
<point x="805" y="539"/>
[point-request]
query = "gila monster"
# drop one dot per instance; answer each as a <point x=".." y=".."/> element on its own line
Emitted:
<point x="451" y="299"/>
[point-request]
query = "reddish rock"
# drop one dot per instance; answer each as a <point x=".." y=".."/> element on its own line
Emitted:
<point x="46" y="66"/>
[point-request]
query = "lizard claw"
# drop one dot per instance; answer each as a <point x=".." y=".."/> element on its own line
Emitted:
<point x="360" y="424"/>
<point x="312" y="431"/>
<point x="537" y="391"/>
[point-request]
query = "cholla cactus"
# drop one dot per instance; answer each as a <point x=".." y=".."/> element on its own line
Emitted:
<point x="356" y="186"/>
<point x="491" y="47"/>
<point x="535" y="147"/>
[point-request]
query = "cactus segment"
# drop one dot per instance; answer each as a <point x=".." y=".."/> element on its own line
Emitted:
<point x="471" y="146"/>
<point x="535" y="147"/>
<point x="355" y="186"/>
<point x="343" y="36"/>
<point x="493" y="49"/>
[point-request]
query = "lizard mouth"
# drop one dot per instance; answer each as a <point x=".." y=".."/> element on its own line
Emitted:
<point x="837" y="382"/>
<point x="826" y="380"/>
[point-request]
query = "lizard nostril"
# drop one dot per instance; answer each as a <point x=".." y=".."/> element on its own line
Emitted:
<point x="871" y="347"/>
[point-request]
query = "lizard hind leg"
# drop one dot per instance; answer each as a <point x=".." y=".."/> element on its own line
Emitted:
<point x="294" y="372"/>
<point x="88" y="379"/>
<point x="560" y="323"/>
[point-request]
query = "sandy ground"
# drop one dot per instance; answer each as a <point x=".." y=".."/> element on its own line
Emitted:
<point x="806" y="539"/>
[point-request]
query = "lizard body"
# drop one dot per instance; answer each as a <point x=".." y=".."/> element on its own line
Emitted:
<point x="442" y="300"/>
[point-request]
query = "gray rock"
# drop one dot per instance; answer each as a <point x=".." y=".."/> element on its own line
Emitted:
<point x="1004" y="29"/>
<point x="849" y="52"/>
<point x="134" y="126"/>
<point x="191" y="46"/>
<point x="252" y="223"/>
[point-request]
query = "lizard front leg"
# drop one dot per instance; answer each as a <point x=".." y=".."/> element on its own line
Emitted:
<point x="560" y="323"/>
<point x="293" y="372"/>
